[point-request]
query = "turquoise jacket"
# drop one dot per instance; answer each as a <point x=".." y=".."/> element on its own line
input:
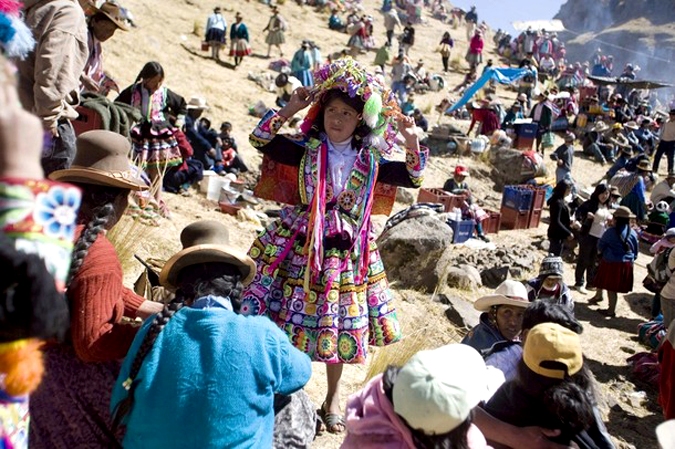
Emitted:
<point x="209" y="381"/>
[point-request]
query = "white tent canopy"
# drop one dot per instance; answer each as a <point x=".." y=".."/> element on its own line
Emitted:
<point x="548" y="25"/>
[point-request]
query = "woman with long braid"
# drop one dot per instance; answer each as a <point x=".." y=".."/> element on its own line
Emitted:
<point x="70" y="408"/>
<point x="222" y="369"/>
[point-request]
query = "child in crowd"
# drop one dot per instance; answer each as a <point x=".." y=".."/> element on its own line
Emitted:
<point x="232" y="161"/>
<point x="155" y="145"/>
<point x="323" y="281"/>
<point x="457" y="185"/>
<point x="425" y="404"/>
<point x="549" y="285"/>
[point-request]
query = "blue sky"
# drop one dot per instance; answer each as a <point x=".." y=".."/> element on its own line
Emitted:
<point x="500" y="13"/>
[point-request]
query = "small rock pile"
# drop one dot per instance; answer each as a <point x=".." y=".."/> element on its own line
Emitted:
<point x="494" y="266"/>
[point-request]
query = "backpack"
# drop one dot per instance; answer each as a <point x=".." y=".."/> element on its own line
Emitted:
<point x="658" y="268"/>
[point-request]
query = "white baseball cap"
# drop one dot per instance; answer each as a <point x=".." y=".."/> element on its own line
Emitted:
<point x="436" y="390"/>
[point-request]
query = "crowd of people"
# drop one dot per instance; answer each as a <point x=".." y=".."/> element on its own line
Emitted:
<point x="236" y="340"/>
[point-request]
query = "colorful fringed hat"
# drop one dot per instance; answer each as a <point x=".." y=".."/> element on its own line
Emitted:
<point x="16" y="39"/>
<point x="380" y="109"/>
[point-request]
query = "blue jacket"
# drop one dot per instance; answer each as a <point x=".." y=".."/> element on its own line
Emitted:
<point x="209" y="381"/>
<point x="611" y="245"/>
<point x="484" y="335"/>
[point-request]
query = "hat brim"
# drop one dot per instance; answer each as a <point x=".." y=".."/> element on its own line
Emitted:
<point x="121" y="25"/>
<point x="207" y="253"/>
<point x="484" y="303"/>
<point x="203" y="108"/>
<point x="84" y="175"/>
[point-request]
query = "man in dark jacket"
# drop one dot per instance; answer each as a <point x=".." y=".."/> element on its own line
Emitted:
<point x="203" y="150"/>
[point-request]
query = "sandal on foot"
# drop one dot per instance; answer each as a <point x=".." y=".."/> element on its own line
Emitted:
<point x="594" y="300"/>
<point x="333" y="422"/>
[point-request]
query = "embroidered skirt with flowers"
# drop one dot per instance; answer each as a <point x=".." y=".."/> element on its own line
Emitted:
<point x="155" y="146"/>
<point x="331" y="325"/>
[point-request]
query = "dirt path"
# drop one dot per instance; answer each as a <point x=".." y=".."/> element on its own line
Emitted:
<point x="165" y="34"/>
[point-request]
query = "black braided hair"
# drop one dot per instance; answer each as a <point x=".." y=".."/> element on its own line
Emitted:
<point x="194" y="281"/>
<point x="97" y="211"/>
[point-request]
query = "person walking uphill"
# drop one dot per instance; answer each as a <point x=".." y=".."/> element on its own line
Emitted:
<point x="239" y="46"/>
<point x="216" y="26"/>
<point x="49" y="78"/>
<point x="275" y="32"/>
<point x="320" y="276"/>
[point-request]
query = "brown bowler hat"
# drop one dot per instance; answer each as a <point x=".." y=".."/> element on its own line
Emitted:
<point x="113" y="12"/>
<point x="206" y="241"/>
<point x="101" y="159"/>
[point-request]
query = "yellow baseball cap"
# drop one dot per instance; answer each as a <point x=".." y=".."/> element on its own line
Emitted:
<point x="550" y="342"/>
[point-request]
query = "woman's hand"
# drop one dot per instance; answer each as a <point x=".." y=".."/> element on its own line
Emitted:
<point x="406" y="126"/>
<point x="21" y="133"/>
<point x="300" y="99"/>
<point x="149" y="308"/>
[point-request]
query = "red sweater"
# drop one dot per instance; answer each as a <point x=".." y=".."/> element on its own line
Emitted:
<point x="99" y="301"/>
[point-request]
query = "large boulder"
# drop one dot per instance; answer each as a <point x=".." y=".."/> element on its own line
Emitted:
<point x="416" y="252"/>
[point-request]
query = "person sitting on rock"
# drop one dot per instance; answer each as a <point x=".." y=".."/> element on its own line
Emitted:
<point x="502" y="316"/>
<point x="457" y="185"/>
<point x="549" y="286"/>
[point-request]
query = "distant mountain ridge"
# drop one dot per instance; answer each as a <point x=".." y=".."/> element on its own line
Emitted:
<point x="641" y="32"/>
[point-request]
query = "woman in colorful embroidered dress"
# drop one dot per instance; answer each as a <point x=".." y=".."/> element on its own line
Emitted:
<point x="154" y="141"/>
<point x="320" y="276"/>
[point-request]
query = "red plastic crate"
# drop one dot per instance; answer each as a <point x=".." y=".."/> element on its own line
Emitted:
<point x="524" y="143"/>
<point x="492" y="223"/>
<point x="436" y="195"/>
<point x="514" y="219"/>
<point x="534" y="219"/>
<point x="87" y="120"/>
<point x="538" y="196"/>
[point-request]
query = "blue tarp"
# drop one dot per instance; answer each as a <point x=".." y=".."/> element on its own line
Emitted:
<point x="502" y="76"/>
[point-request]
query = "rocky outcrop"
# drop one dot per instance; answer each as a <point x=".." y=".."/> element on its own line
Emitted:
<point x="416" y="252"/>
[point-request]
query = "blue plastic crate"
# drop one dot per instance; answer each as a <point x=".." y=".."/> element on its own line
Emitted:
<point x="526" y="129"/>
<point x="463" y="230"/>
<point x="517" y="198"/>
